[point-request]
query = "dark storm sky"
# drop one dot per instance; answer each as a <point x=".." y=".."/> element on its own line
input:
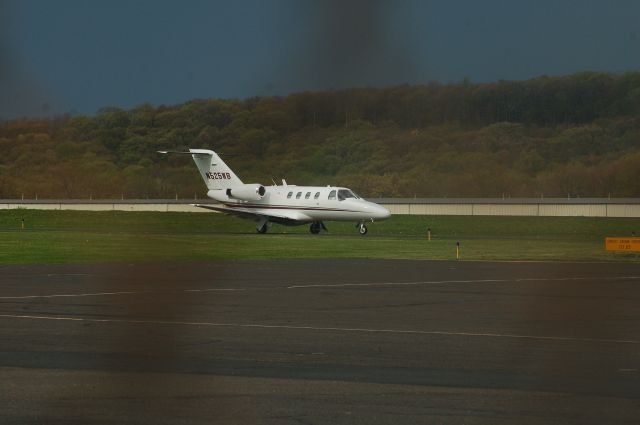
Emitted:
<point x="72" y="55"/>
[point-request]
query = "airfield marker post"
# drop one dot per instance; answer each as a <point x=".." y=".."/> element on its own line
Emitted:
<point x="457" y="250"/>
<point x="429" y="233"/>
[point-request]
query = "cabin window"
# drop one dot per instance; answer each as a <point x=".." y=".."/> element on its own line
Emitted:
<point x="332" y="195"/>
<point x="307" y="195"/>
<point x="289" y="195"/>
<point x="344" y="194"/>
<point x="317" y="195"/>
<point x="298" y="195"/>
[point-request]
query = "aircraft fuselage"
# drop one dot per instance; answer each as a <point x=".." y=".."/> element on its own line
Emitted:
<point x="305" y="204"/>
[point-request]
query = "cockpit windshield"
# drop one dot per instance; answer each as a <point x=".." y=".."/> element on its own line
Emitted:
<point x="346" y="193"/>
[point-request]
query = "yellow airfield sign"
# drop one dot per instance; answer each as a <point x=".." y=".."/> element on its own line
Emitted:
<point x="622" y="244"/>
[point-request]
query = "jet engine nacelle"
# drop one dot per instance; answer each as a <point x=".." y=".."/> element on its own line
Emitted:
<point x="247" y="192"/>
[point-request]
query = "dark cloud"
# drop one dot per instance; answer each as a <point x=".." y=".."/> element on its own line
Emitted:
<point x="348" y="43"/>
<point x="69" y="54"/>
<point x="20" y="92"/>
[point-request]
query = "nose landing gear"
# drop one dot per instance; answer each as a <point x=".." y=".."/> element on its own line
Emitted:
<point x="362" y="229"/>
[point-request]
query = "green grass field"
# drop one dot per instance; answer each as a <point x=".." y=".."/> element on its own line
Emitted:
<point x="79" y="236"/>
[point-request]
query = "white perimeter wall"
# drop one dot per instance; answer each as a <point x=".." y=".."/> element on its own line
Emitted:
<point x="106" y="207"/>
<point x="548" y="210"/>
<point x="478" y="208"/>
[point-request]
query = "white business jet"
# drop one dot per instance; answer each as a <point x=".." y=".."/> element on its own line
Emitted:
<point x="286" y="204"/>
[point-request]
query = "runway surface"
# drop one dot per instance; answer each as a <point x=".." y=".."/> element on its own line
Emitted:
<point x="322" y="341"/>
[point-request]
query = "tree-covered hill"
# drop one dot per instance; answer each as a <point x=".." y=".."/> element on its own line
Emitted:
<point x="577" y="135"/>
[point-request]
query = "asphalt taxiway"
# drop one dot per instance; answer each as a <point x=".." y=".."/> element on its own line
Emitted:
<point x="320" y="341"/>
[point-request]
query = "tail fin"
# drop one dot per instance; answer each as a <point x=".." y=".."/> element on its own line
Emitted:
<point x="216" y="174"/>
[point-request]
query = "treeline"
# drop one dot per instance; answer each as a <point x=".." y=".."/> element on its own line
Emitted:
<point x="577" y="135"/>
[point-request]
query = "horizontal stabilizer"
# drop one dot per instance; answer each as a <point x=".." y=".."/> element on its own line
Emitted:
<point x="185" y="153"/>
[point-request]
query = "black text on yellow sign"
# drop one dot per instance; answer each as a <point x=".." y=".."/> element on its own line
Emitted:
<point x="622" y="244"/>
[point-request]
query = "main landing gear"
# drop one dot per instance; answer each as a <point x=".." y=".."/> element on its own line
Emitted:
<point x="262" y="226"/>
<point x="362" y="229"/>
<point x="316" y="226"/>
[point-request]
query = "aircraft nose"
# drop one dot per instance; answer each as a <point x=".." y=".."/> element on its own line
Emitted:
<point x="386" y="213"/>
<point x="382" y="213"/>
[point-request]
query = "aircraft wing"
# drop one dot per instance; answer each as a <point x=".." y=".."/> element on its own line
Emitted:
<point x="230" y="211"/>
<point x="284" y="217"/>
